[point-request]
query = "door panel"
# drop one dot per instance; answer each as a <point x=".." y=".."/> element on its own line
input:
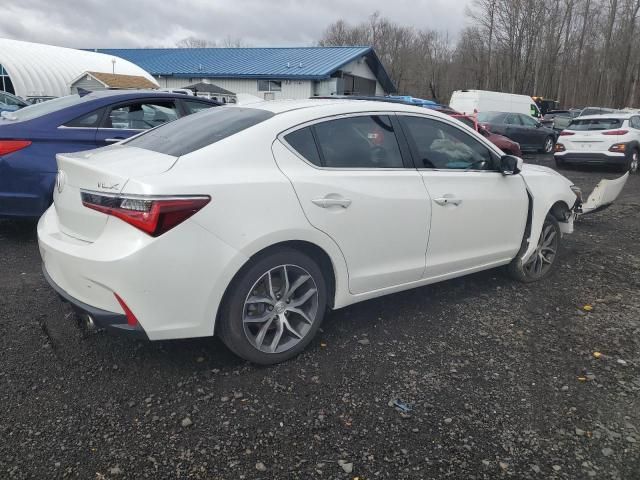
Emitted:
<point x="482" y="222"/>
<point x="478" y="215"/>
<point x="378" y="217"/>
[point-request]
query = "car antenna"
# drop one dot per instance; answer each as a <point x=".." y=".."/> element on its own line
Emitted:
<point x="82" y="92"/>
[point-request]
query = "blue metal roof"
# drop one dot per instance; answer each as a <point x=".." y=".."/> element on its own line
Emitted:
<point x="303" y="63"/>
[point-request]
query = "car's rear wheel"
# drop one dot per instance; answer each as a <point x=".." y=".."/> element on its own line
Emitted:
<point x="274" y="307"/>
<point x="560" y="163"/>
<point x="547" y="146"/>
<point x="544" y="258"/>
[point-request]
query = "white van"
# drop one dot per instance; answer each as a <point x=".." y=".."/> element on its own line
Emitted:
<point x="470" y="101"/>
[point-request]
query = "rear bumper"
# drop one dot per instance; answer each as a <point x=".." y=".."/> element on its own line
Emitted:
<point x="111" y="321"/>
<point x="591" y="158"/>
<point x="173" y="284"/>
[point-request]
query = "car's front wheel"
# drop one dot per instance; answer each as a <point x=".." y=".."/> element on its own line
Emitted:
<point x="274" y="307"/>
<point x="544" y="258"/>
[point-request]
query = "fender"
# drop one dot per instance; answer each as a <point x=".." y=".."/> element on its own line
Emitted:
<point x="546" y="188"/>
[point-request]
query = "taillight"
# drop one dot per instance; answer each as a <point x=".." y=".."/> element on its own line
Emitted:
<point x="558" y="147"/>
<point x="152" y="215"/>
<point x="618" y="147"/>
<point x="565" y="133"/>
<point x="10" y="146"/>
<point x="616" y="132"/>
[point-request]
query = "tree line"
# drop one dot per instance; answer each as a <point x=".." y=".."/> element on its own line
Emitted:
<point x="579" y="52"/>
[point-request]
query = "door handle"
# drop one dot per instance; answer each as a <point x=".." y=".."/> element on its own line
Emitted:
<point x="332" y="202"/>
<point x="114" y="140"/>
<point x="447" y="201"/>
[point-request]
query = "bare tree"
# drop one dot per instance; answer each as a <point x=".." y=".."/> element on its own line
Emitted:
<point x="194" y="42"/>
<point x="580" y="52"/>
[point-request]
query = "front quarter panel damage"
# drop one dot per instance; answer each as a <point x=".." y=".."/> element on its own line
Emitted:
<point x="548" y="190"/>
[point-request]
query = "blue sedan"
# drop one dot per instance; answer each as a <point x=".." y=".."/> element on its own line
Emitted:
<point x="31" y="137"/>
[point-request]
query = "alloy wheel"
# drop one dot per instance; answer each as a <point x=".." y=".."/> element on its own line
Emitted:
<point x="280" y="309"/>
<point x="548" y="145"/>
<point x="542" y="259"/>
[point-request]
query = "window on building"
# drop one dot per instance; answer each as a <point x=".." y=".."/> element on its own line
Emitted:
<point x="269" y="86"/>
<point x="5" y="81"/>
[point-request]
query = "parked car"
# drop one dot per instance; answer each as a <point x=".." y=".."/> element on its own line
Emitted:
<point x="38" y="99"/>
<point x="601" y="140"/>
<point x="31" y="137"/>
<point x="527" y="131"/>
<point x="559" y="119"/>
<point x="251" y="222"/>
<point x="11" y="103"/>
<point x="505" y="144"/>
<point x="472" y="101"/>
<point x="595" y="111"/>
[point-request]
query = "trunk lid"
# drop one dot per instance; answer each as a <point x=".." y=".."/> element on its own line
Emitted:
<point x="588" y="141"/>
<point x="106" y="171"/>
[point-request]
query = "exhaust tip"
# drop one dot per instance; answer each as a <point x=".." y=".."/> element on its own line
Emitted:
<point x="90" y="324"/>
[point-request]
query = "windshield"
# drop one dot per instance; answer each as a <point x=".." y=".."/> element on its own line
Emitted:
<point x="44" y="108"/>
<point x="196" y="131"/>
<point x="595" y="124"/>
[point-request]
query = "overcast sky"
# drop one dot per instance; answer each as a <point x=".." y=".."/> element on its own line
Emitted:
<point x="157" y="23"/>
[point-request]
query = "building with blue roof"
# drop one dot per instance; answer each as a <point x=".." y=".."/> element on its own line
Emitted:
<point x="269" y="73"/>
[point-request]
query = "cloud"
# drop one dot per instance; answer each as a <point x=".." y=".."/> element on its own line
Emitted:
<point x="149" y="23"/>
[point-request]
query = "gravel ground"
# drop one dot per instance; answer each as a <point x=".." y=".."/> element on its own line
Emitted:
<point x="501" y="380"/>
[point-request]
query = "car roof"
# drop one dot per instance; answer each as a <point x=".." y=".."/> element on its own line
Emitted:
<point x="282" y="106"/>
<point x="139" y="93"/>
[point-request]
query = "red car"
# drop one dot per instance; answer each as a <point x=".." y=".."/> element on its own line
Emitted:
<point x="505" y="144"/>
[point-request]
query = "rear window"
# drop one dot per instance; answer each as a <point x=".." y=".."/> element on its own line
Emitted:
<point x="595" y="124"/>
<point x="196" y="131"/>
<point x="44" y="108"/>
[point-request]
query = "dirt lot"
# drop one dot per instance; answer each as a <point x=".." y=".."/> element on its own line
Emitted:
<point x="501" y="378"/>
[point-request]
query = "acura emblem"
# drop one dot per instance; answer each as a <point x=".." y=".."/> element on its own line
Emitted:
<point x="60" y="181"/>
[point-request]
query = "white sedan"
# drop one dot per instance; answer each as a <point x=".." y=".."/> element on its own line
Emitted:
<point x="250" y="222"/>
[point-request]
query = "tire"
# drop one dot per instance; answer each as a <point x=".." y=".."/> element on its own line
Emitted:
<point x="560" y="163"/>
<point x="253" y="317"/>
<point x="529" y="272"/>
<point x="547" y="146"/>
<point x="632" y="162"/>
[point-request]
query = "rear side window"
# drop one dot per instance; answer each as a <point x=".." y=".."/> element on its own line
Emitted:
<point x="358" y="142"/>
<point x="194" y="132"/>
<point x="595" y="124"/>
<point x="354" y="142"/>
<point x="303" y="142"/>
<point x="90" y="120"/>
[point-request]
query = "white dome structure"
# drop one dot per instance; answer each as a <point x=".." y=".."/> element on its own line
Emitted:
<point x="35" y="69"/>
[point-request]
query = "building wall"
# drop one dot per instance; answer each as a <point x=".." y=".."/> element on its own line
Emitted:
<point x="291" y="89"/>
<point x="88" y="83"/>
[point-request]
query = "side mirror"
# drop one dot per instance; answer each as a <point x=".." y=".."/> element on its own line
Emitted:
<point x="510" y="165"/>
<point x="538" y="125"/>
